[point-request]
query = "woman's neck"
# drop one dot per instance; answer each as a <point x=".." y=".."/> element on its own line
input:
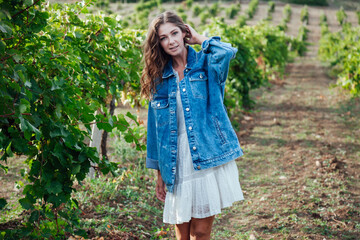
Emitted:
<point x="180" y="60"/>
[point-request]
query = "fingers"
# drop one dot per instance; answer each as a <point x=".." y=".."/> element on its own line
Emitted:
<point x="188" y="35"/>
<point x="191" y="29"/>
<point x="160" y="192"/>
<point x="192" y="37"/>
<point x="160" y="189"/>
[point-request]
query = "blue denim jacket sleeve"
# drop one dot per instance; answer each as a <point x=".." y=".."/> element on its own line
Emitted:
<point x="152" y="160"/>
<point x="220" y="54"/>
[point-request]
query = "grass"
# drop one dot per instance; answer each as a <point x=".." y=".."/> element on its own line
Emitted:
<point x="125" y="203"/>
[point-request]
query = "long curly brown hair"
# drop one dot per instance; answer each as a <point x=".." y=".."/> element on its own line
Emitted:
<point x="154" y="57"/>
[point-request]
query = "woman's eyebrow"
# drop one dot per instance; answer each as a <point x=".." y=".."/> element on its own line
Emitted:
<point x="170" y="32"/>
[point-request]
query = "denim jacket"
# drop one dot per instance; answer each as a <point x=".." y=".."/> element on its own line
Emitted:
<point x="211" y="137"/>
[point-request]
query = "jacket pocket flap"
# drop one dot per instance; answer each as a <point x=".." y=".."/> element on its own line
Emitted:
<point x="160" y="103"/>
<point x="199" y="76"/>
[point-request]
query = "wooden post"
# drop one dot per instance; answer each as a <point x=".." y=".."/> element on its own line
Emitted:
<point x="95" y="141"/>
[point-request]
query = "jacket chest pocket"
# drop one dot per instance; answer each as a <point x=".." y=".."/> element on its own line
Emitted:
<point x="161" y="107"/>
<point x="199" y="85"/>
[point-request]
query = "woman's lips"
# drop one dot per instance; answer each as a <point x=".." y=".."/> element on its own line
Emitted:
<point x="173" y="48"/>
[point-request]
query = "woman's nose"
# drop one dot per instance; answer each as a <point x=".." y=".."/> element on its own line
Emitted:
<point x="171" y="40"/>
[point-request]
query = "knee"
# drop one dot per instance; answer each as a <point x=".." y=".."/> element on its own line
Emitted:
<point x="200" y="229"/>
<point x="200" y="233"/>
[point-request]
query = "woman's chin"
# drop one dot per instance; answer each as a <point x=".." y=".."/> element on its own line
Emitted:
<point x="176" y="52"/>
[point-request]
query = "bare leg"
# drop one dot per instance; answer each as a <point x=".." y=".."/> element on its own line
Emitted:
<point x="200" y="228"/>
<point x="183" y="231"/>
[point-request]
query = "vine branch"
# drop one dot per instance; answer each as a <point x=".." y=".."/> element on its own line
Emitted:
<point x="25" y="9"/>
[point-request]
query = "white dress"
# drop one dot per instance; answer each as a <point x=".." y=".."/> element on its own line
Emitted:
<point x="198" y="194"/>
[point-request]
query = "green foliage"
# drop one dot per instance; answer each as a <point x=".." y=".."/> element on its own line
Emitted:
<point x="180" y="9"/>
<point x="241" y="21"/>
<point x="197" y="10"/>
<point x="2" y="203"/>
<point x="324" y="29"/>
<point x="57" y="71"/>
<point x="324" y="24"/>
<point x="342" y="50"/>
<point x="282" y="25"/>
<point x="252" y="7"/>
<point x="189" y="3"/>
<point x="287" y="13"/>
<point x="140" y="19"/>
<point x="233" y="10"/>
<point x="183" y="16"/>
<point x="323" y="18"/>
<point x="103" y="3"/>
<point x="341" y="16"/>
<point x="304" y="15"/>
<point x="271" y="6"/>
<point x="214" y="9"/>
<point x="270" y="11"/>
<point x="123" y="150"/>
<point x="204" y="16"/>
<point x="309" y="2"/>
<point x="149" y="5"/>
<point x="303" y="33"/>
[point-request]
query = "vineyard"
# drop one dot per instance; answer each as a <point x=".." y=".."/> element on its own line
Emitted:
<point x="292" y="95"/>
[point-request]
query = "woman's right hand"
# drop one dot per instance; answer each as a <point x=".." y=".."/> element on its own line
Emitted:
<point x="193" y="37"/>
<point x="160" y="188"/>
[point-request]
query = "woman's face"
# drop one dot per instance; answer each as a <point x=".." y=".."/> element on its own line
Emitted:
<point x="171" y="39"/>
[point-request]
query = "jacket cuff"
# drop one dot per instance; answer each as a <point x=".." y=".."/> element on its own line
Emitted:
<point x="206" y="44"/>
<point x="216" y="41"/>
<point x="152" y="163"/>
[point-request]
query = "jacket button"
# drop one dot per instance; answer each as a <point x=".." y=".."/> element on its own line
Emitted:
<point x="184" y="89"/>
<point x="201" y="76"/>
<point x="194" y="148"/>
<point x="198" y="167"/>
<point x="187" y="109"/>
<point x="190" y="128"/>
<point x="158" y="104"/>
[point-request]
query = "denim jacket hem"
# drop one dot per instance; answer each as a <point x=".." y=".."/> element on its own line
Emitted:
<point x="221" y="159"/>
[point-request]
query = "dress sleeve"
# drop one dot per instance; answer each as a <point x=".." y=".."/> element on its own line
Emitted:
<point x="151" y="143"/>
<point x="219" y="56"/>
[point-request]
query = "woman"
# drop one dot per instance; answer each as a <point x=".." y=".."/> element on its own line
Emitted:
<point x="190" y="140"/>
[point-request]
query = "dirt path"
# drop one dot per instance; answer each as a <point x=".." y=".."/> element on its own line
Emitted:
<point x="300" y="172"/>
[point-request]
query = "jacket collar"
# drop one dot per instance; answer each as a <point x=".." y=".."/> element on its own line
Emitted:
<point x="191" y="60"/>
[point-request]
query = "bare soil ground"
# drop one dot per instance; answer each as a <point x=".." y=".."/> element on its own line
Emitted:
<point x="300" y="171"/>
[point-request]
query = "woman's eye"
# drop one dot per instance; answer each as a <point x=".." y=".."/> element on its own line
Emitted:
<point x="161" y="39"/>
<point x="174" y="33"/>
